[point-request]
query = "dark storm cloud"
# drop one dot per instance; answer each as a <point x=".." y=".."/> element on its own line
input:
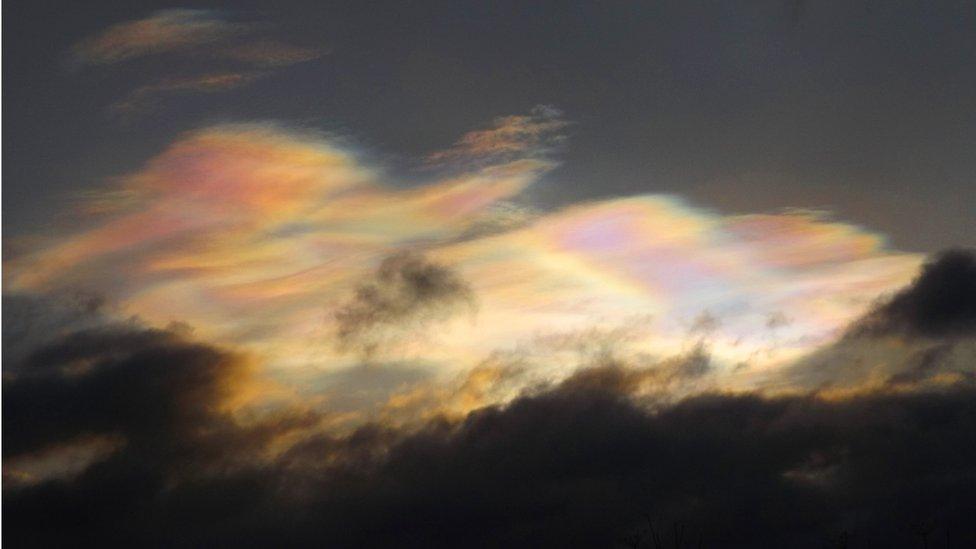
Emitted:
<point x="940" y="302"/>
<point x="407" y="292"/>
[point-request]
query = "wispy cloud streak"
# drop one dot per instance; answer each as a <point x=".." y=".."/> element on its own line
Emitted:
<point x="531" y="135"/>
<point x="163" y="31"/>
<point x="146" y="97"/>
<point x="232" y="53"/>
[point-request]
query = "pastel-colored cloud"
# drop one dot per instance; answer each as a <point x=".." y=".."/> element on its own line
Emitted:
<point x="162" y="31"/>
<point x="182" y="30"/>
<point x="606" y="263"/>
<point x="235" y="217"/>
<point x="237" y="53"/>
<point x="532" y="134"/>
<point x="146" y="97"/>
<point x="257" y="235"/>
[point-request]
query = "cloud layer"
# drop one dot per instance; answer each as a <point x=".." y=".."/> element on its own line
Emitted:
<point x="171" y="454"/>
<point x="259" y="235"/>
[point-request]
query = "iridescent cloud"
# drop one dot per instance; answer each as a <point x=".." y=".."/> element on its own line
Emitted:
<point x="234" y="53"/>
<point x="517" y="135"/>
<point x="145" y="97"/>
<point x="163" y="31"/>
<point x="256" y="235"/>
<point x="180" y="30"/>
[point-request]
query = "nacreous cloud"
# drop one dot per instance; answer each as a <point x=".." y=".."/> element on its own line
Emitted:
<point x="257" y="235"/>
<point x="146" y="97"/>
<point x="163" y="31"/>
<point x="183" y="30"/>
<point x="510" y="136"/>
<point x="227" y="54"/>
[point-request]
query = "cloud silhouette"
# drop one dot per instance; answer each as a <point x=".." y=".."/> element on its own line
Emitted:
<point x="940" y="302"/>
<point x="660" y="376"/>
<point x="567" y="466"/>
<point x="922" y="334"/>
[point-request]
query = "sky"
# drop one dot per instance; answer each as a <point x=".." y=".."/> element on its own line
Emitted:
<point x="482" y="274"/>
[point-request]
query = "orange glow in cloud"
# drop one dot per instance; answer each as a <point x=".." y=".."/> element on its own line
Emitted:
<point x="254" y="234"/>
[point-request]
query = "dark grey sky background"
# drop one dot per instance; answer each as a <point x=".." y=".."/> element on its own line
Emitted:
<point x="867" y="108"/>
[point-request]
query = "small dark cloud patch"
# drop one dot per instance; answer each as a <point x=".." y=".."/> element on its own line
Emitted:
<point x="408" y="292"/>
<point x="941" y="302"/>
<point x="705" y="324"/>
<point x="777" y="320"/>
